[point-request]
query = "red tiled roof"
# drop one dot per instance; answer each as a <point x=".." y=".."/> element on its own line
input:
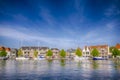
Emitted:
<point x="117" y="46"/>
<point x="98" y="46"/>
<point x="2" y="48"/>
<point x="7" y="49"/>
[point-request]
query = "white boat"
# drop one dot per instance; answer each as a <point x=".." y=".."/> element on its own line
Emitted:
<point x="80" y="58"/>
<point x="21" y="58"/>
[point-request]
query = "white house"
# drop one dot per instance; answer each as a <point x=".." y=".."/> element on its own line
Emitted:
<point x="86" y="52"/>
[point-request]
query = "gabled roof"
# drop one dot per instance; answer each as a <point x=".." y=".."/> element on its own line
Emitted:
<point x="54" y="49"/>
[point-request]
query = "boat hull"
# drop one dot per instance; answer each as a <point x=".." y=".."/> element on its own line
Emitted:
<point x="99" y="58"/>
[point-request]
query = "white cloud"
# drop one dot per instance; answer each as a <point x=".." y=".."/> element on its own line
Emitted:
<point x="91" y="37"/>
<point x="24" y="36"/>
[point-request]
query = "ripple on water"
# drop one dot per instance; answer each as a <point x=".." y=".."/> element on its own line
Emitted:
<point x="59" y="70"/>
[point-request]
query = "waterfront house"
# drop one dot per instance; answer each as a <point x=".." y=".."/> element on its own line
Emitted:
<point x="42" y="51"/>
<point x="71" y="52"/>
<point x="86" y="52"/>
<point x="103" y="50"/>
<point x="13" y="53"/>
<point x="25" y="51"/>
<point x="28" y="52"/>
<point x="56" y="52"/>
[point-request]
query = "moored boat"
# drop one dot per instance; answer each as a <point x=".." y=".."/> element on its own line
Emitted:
<point x="22" y="58"/>
<point x="3" y="58"/>
<point x="41" y="58"/>
<point x="99" y="58"/>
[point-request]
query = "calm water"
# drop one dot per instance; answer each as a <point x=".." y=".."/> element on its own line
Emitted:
<point x="59" y="70"/>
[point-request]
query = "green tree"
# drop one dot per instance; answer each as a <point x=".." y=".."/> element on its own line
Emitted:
<point x="95" y="53"/>
<point x="20" y="53"/>
<point x="63" y="53"/>
<point x="78" y="52"/>
<point x="115" y="52"/>
<point x="35" y="53"/>
<point x="49" y="53"/>
<point x="111" y="48"/>
<point x="3" y="53"/>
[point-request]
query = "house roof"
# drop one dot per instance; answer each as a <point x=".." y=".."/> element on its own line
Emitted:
<point x="2" y="48"/>
<point x="7" y="49"/>
<point x="44" y="48"/>
<point x="54" y="49"/>
<point x="117" y="46"/>
<point x="71" y="50"/>
<point x="98" y="46"/>
<point x="28" y="48"/>
<point x="24" y="48"/>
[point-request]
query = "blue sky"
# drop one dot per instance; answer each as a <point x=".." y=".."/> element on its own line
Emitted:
<point x="59" y="23"/>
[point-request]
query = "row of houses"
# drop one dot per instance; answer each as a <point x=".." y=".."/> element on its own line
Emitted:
<point x="86" y="51"/>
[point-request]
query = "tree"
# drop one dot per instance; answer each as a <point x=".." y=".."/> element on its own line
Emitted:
<point x="115" y="52"/>
<point x="63" y="53"/>
<point x="49" y="53"/>
<point x="95" y="53"/>
<point x="20" y="53"/>
<point x="35" y="53"/>
<point x="78" y="52"/>
<point x="111" y="48"/>
<point x="3" y="53"/>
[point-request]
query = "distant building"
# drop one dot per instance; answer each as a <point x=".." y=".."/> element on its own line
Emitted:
<point x="13" y="53"/>
<point x="25" y="51"/>
<point x="71" y="52"/>
<point x="42" y="51"/>
<point x="56" y="52"/>
<point x="8" y="50"/>
<point x="86" y="52"/>
<point x="103" y="50"/>
<point x="29" y="51"/>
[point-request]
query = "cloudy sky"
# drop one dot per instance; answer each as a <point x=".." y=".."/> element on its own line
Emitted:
<point x="59" y="23"/>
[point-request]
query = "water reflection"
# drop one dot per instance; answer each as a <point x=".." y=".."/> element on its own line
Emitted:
<point x="116" y="64"/>
<point x="2" y="63"/>
<point x="95" y="64"/>
<point x="62" y="62"/>
<point x="79" y="64"/>
<point x="59" y="70"/>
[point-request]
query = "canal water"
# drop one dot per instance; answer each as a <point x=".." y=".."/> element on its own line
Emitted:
<point x="59" y="70"/>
